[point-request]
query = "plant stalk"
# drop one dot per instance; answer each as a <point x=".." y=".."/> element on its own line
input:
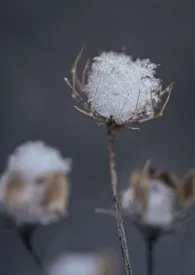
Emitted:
<point x="149" y="256"/>
<point x="111" y="132"/>
<point x="151" y="236"/>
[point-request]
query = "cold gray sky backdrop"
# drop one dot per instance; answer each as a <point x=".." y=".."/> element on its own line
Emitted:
<point x="39" y="42"/>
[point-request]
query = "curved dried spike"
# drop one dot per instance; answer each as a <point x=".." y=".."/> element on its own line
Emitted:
<point x="147" y="165"/>
<point x="133" y="128"/>
<point x="161" y="113"/>
<point x="167" y="90"/>
<point x="83" y="79"/>
<point x="188" y="188"/>
<point x="139" y="180"/>
<point x="83" y="112"/>
<point x="75" y="95"/>
<point x="109" y="212"/>
<point x="75" y="80"/>
<point x="74" y="66"/>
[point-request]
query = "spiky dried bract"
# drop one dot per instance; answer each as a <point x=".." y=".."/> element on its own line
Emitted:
<point x="34" y="187"/>
<point x="83" y="264"/>
<point x="151" y="196"/>
<point x="188" y="189"/>
<point x="114" y="86"/>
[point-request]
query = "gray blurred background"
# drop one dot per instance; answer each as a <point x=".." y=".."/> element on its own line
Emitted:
<point x="39" y="42"/>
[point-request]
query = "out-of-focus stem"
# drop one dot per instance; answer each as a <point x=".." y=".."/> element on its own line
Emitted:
<point x="149" y="256"/>
<point x="26" y="233"/>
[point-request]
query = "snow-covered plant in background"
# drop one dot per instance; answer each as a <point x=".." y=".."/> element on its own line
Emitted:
<point x="80" y="263"/>
<point x="151" y="198"/>
<point x="118" y="92"/>
<point x="34" y="189"/>
<point x="156" y="202"/>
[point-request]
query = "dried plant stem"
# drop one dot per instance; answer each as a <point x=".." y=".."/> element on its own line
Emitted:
<point x="111" y="131"/>
<point x="149" y="256"/>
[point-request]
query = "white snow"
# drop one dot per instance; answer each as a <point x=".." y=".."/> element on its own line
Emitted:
<point x="35" y="158"/>
<point x="120" y="87"/>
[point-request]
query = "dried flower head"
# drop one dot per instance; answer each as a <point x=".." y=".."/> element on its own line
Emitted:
<point x="34" y="187"/>
<point x="116" y="87"/>
<point x="151" y="197"/>
<point x="84" y="264"/>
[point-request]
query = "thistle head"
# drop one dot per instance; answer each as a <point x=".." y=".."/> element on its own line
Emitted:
<point x="188" y="189"/>
<point x="114" y="86"/>
<point x="151" y="196"/>
<point x="35" y="186"/>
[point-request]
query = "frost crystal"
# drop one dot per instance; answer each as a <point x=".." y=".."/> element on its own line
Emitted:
<point x="122" y="88"/>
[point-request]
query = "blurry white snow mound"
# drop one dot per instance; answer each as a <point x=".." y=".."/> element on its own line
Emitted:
<point x="34" y="158"/>
<point x="160" y="207"/>
<point x="120" y="87"/>
<point x="76" y="264"/>
<point x="31" y="161"/>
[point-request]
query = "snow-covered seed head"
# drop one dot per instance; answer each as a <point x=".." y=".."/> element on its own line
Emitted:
<point x="151" y="198"/>
<point x="122" y="88"/>
<point x="114" y="86"/>
<point x="35" y="187"/>
<point x="83" y="264"/>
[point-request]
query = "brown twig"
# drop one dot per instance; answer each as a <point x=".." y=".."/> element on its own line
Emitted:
<point x="111" y="131"/>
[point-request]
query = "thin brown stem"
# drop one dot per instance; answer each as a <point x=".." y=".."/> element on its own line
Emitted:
<point x="111" y="131"/>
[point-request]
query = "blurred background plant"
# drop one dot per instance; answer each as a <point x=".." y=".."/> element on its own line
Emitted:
<point x="81" y="263"/>
<point x="157" y="203"/>
<point x="34" y="189"/>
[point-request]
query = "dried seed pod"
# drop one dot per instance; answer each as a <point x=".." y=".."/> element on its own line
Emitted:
<point x="56" y="193"/>
<point x="108" y="265"/>
<point x="15" y="191"/>
<point x="139" y="181"/>
<point x="170" y="179"/>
